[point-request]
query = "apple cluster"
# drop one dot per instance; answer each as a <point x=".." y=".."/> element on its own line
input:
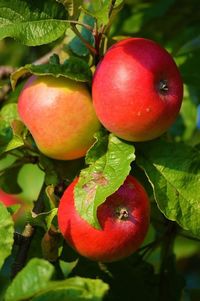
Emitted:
<point x="136" y="94"/>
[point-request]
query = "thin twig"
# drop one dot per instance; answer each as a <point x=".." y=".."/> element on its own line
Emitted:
<point x="88" y="45"/>
<point x="86" y="26"/>
<point x="151" y="244"/>
<point x="166" y="253"/>
<point x="111" y="8"/>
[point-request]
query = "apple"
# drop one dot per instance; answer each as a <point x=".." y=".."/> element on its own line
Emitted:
<point x="60" y="116"/>
<point x="8" y="199"/>
<point x="11" y="199"/>
<point x="123" y="217"/>
<point x="137" y="90"/>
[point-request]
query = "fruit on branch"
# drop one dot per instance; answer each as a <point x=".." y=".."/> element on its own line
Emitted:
<point x="137" y="90"/>
<point x="123" y="217"/>
<point x="60" y="116"/>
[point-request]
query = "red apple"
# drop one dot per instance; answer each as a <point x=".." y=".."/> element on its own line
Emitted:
<point x="137" y="90"/>
<point x="60" y="116"/>
<point x="123" y="217"/>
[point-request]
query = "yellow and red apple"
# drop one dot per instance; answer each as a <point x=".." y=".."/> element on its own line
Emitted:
<point x="60" y="116"/>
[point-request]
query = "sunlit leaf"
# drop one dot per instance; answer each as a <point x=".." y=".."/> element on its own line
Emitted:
<point x="173" y="170"/>
<point x="109" y="164"/>
<point x="32" y="22"/>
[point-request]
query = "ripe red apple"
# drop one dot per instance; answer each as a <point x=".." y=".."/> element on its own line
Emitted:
<point x="137" y="90"/>
<point x="60" y="116"/>
<point x="123" y="217"/>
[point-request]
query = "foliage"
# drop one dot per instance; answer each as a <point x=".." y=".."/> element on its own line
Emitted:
<point x="71" y="37"/>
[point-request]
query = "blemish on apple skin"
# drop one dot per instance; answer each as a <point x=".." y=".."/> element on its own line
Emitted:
<point x="139" y="113"/>
<point x="148" y="110"/>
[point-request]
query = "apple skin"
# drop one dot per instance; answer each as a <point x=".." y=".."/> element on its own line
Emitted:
<point x="137" y="90"/>
<point x="123" y="217"/>
<point x="9" y="200"/>
<point x="60" y="116"/>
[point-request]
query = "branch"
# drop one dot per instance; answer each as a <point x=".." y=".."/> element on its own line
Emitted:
<point x="24" y="240"/>
<point x="111" y="8"/>
<point x="166" y="253"/>
<point x="86" y="26"/>
<point x="90" y="47"/>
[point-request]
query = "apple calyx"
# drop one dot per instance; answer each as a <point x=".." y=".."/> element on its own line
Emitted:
<point x="122" y="213"/>
<point x="163" y="86"/>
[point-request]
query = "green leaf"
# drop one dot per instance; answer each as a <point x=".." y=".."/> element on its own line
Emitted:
<point x="185" y="125"/>
<point x="43" y="220"/>
<point x="5" y="133"/>
<point x="11" y="129"/>
<point x="9" y="112"/>
<point x="14" y="143"/>
<point x="109" y="160"/>
<point x="73" y="41"/>
<point x="190" y="46"/>
<point x="13" y="208"/>
<point x="6" y="234"/>
<point x="173" y="170"/>
<point x="8" y="180"/>
<point x="188" y="113"/>
<point x="32" y="22"/>
<point x="187" y="68"/>
<point x="72" y="6"/>
<point x="73" y="68"/>
<point x="74" y="289"/>
<point x="31" y="279"/>
<point x="67" y="267"/>
<point x="145" y="12"/>
<point x="49" y="166"/>
<point x="100" y="10"/>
